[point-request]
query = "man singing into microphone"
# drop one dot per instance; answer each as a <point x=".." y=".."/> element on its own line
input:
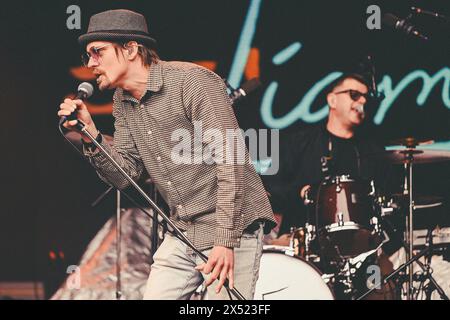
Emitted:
<point x="220" y="205"/>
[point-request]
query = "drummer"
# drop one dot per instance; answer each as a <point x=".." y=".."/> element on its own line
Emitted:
<point x="339" y="140"/>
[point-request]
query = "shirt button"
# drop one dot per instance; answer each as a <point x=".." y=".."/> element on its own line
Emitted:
<point x="169" y="183"/>
<point x="158" y="158"/>
<point x="149" y="131"/>
<point x="179" y="206"/>
<point x="142" y="105"/>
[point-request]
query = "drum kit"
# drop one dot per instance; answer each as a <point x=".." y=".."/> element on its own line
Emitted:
<point x="338" y="253"/>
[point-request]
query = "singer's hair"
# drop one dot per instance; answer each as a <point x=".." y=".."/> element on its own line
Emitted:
<point x="148" y="55"/>
<point x="355" y="76"/>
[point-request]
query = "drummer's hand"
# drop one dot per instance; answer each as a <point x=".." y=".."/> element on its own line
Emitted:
<point x="282" y="240"/>
<point x="221" y="264"/>
<point x="303" y="191"/>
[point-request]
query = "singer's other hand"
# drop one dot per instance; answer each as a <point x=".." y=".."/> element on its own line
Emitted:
<point x="221" y="266"/>
<point x="68" y="107"/>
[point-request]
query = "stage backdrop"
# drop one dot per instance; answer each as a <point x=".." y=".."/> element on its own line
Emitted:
<point x="295" y="47"/>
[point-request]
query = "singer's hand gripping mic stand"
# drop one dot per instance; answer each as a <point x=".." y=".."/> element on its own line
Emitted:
<point x="161" y="216"/>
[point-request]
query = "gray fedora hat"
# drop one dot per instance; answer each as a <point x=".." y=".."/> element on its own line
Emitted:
<point x="117" y="25"/>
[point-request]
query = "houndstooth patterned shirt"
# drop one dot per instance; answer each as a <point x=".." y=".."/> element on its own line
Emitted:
<point x="213" y="202"/>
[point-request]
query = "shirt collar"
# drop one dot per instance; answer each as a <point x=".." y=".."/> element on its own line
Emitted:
<point x="154" y="82"/>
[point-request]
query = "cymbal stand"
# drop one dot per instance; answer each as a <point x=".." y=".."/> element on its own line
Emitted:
<point x="395" y="272"/>
<point x="427" y="252"/>
<point x="409" y="219"/>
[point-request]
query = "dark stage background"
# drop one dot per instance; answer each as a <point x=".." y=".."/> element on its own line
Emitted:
<point x="47" y="188"/>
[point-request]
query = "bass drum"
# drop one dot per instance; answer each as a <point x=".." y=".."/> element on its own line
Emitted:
<point x="284" y="277"/>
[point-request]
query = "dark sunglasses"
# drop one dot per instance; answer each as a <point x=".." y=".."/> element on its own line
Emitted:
<point x="355" y="94"/>
<point x="93" y="53"/>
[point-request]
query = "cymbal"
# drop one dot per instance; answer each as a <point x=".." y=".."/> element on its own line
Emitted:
<point x="411" y="142"/>
<point x="75" y="138"/>
<point x="421" y="201"/>
<point x="416" y="156"/>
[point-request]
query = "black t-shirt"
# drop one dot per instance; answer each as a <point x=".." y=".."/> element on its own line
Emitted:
<point x="345" y="156"/>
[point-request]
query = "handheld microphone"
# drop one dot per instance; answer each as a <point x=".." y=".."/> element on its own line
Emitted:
<point x="403" y="25"/>
<point x="85" y="90"/>
<point x="360" y="109"/>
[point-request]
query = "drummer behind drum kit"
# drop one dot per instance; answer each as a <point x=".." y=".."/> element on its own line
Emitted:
<point x="336" y="254"/>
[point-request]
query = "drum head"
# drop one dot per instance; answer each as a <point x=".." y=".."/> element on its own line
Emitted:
<point x="282" y="277"/>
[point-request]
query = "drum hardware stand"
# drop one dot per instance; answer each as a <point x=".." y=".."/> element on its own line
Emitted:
<point x="118" y="237"/>
<point x="408" y="161"/>
<point x="291" y="240"/>
<point x="162" y="216"/>
<point x="310" y="233"/>
<point x="409" y="229"/>
<point x="338" y="261"/>
<point x="351" y="273"/>
<point x="426" y="268"/>
<point x="426" y="251"/>
<point x="306" y="237"/>
<point x="119" y="211"/>
<point x="394" y="273"/>
<point x="375" y="225"/>
<point x="427" y="271"/>
<point x="309" y="237"/>
<point x="409" y="225"/>
<point x="352" y="265"/>
<point x="345" y="278"/>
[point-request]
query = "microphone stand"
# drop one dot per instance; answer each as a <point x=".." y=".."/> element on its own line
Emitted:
<point x="118" y="242"/>
<point x="419" y="11"/>
<point x="155" y="228"/>
<point x="101" y="197"/>
<point x="375" y="94"/>
<point x="161" y="215"/>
